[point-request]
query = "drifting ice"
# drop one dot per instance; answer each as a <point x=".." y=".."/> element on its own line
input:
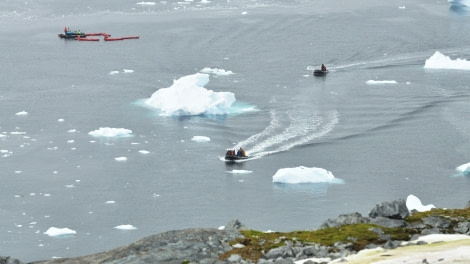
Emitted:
<point x="111" y="132"/>
<point x="440" y="61"/>
<point x="54" y="231"/>
<point x="187" y="97"/>
<point x="304" y="175"/>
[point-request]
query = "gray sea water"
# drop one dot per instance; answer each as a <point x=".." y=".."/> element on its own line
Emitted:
<point x="385" y="141"/>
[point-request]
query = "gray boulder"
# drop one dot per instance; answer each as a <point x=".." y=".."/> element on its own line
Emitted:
<point x="393" y="210"/>
<point x="345" y="219"/>
<point x="467" y="205"/>
<point x="436" y="222"/>
<point x="387" y="222"/>
<point x="235" y="225"/>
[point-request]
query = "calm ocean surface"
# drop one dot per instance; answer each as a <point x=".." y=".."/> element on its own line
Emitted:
<point x="385" y="141"/>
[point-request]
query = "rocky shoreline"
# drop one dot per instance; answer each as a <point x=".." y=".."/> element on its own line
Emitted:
<point x="214" y="246"/>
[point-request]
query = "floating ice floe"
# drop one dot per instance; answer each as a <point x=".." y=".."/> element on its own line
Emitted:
<point x="110" y="202"/>
<point x="372" y="82"/>
<point x="22" y="113"/>
<point x="127" y="71"/>
<point x="216" y="71"/>
<point x="200" y="139"/>
<point x="144" y="152"/>
<point x="121" y="159"/>
<point x="414" y="203"/>
<point x="304" y="175"/>
<point x="113" y="72"/>
<point x="440" y="61"/>
<point x="126" y="227"/>
<point x="240" y="171"/>
<point x="464" y="168"/>
<point x="188" y="97"/>
<point x="111" y="132"/>
<point x="54" y="232"/>
<point x="146" y="3"/>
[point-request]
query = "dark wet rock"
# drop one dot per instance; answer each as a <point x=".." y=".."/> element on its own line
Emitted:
<point x="393" y="210"/>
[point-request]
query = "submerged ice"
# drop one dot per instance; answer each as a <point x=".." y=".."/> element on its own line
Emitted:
<point x="188" y="97"/>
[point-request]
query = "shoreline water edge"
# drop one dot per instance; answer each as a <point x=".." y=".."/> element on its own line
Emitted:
<point x="397" y="231"/>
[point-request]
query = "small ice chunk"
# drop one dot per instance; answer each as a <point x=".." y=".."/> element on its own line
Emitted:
<point x="200" y="139"/>
<point x="126" y="227"/>
<point x="54" y="232"/>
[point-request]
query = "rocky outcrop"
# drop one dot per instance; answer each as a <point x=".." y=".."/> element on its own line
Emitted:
<point x="173" y="247"/>
<point x="393" y="210"/>
<point x="205" y="246"/>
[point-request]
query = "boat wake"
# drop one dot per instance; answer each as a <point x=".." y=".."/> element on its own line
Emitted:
<point x="288" y="130"/>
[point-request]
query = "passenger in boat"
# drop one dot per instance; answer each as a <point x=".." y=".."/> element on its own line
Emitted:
<point x="65" y="29"/>
<point x="241" y="152"/>
<point x="323" y="67"/>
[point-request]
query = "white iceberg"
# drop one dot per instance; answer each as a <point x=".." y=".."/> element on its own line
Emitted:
<point x="200" y="139"/>
<point x="188" y="97"/>
<point x="54" y="232"/>
<point x="440" y="61"/>
<point x="464" y="168"/>
<point x="414" y="203"/>
<point x="111" y="132"/>
<point x="126" y="227"/>
<point x="22" y="113"/>
<point x="304" y="175"/>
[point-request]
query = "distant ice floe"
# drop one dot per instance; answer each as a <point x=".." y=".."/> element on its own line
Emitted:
<point x="111" y="132"/>
<point x="240" y="171"/>
<point x="22" y="113"/>
<point x="200" y="139"/>
<point x="304" y="175"/>
<point x="216" y="71"/>
<point x="188" y="97"/>
<point x="55" y="232"/>
<point x="146" y="3"/>
<point x="126" y="227"/>
<point x="414" y="203"/>
<point x="121" y="159"/>
<point x="372" y="82"/>
<point x="117" y="72"/>
<point x="440" y="61"/>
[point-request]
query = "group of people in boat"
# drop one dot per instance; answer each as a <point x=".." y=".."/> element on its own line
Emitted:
<point x="240" y="152"/>
<point x="69" y="32"/>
